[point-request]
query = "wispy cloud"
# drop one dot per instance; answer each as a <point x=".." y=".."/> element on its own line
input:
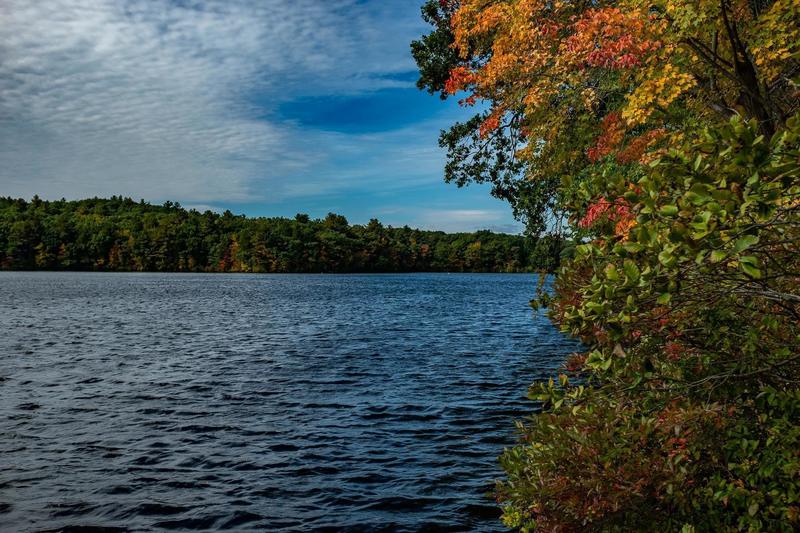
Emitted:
<point x="151" y="97"/>
<point x="202" y="102"/>
<point x="454" y="220"/>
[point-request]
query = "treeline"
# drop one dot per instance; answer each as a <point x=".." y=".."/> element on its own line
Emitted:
<point x="120" y="234"/>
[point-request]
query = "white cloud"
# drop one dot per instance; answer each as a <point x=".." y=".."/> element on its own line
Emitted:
<point x="455" y="220"/>
<point x="154" y="98"/>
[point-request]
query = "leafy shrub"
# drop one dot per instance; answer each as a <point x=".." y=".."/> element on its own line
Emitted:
<point x="688" y="415"/>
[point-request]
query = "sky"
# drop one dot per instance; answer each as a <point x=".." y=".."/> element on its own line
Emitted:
<point x="263" y="107"/>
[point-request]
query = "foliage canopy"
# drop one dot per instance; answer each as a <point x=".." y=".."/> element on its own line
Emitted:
<point x="120" y="234"/>
<point x="665" y="135"/>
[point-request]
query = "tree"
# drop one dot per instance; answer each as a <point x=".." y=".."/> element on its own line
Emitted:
<point x="664" y="136"/>
<point x="568" y="84"/>
<point x="119" y="234"/>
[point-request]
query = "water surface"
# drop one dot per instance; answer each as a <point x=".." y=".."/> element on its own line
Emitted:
<point x="274" y="402"/>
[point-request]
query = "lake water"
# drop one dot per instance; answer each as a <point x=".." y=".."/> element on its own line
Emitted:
<point x="262" y="402"/>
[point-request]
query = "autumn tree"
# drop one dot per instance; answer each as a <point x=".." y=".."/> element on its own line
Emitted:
<point x="562" y="85"/>
<point x="665" y="134"/>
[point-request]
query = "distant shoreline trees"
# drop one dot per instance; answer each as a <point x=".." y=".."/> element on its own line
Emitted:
<point x="120" y="234"/>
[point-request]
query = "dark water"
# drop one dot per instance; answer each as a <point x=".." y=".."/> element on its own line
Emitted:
<point x="152" y="401"/>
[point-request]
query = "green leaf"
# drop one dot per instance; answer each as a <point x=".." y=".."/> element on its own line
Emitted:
<point x="664" y="298"/>
<point x="631" y="270"/>
<point x="668" y="210"/>
<point x="666" y="258"/>
<point x="744" y="243"/>
<point x="611" y="272"/>
<point x="701" y="255"/>
<point x="717" y="256"/>
<point x="750" y="270"/>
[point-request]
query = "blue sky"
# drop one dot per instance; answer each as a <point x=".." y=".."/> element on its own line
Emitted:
<point x="264" y="107"/>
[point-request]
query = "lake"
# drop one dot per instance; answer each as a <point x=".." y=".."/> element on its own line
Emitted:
<point x="263" y="402"/>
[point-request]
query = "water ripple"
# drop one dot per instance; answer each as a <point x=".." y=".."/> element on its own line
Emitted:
<point x="298" y="403"/>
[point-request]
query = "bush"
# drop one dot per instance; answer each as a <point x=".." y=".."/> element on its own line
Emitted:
<point x="688" y="413"/>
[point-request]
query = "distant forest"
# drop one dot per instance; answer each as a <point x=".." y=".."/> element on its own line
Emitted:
<point x="120" y="234"/>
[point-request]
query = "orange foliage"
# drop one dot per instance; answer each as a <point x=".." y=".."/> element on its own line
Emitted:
<point x="611" y="136"/>
<point x="618" y="212"/>
<point x="460" y="78"/>
<point x="491" y="123"/>
<point x="611" y="38"/>
<point x="542" y="58"/>
<point x="636" y="149"/>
